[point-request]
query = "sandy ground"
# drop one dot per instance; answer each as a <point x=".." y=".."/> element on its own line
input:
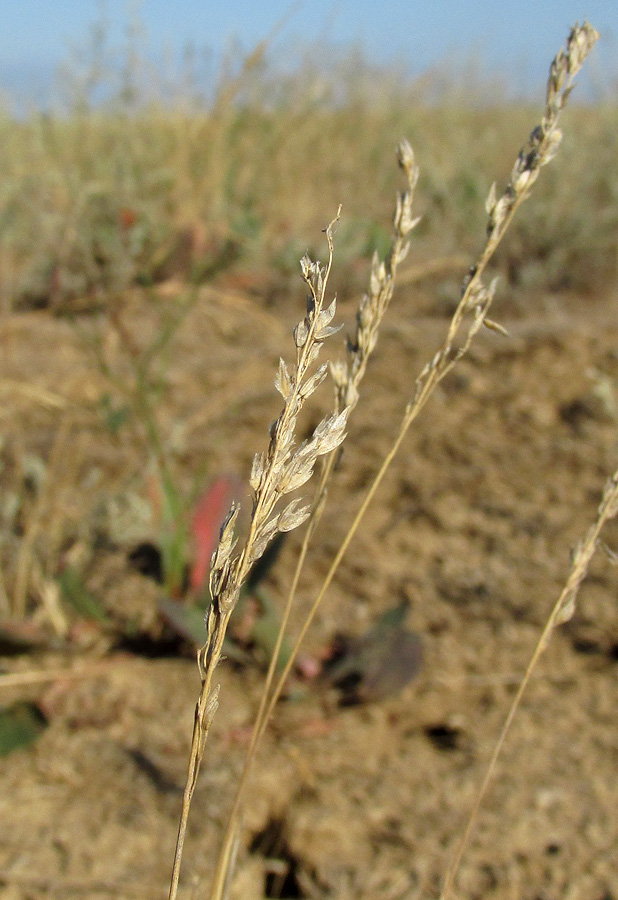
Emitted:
<point x="474" y="525"/>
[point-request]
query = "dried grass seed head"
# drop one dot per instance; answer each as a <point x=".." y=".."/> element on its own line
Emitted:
<point x="283" y="382"/>
<point x="280" y="469"/>
<point x="545" y="138"/>
<point x="293" y="516"/>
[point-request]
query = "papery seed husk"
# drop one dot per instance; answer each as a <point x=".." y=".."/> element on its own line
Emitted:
<point x="412" y="223"/>
<point x="293" y="516"/>
<point x="329" y="313"/>
<point x="257" y="470"/>
<point x="495" y="326"/>
<point x="218" y="579"/>
<point x="339" y="372"/>
<point x="282" y="380"/>
<point x="398" y="211"/>
<point x="327" y="331"/>
<point x="405" y="155"/>
<point x="212" y="704"/>
<point x="298" y="473"/>
<point x="567" y="610"/>
<point x="228" y="599"/>
<point x="522" y="181"/>
<point x="226" y="533"/>
<point x="351" y="396"/>
<point x="330" y="432"/>
<point x="314" y="352"/>
<point x="374" y="275"/>
<point x="314" y="382"/>
<point x="363" y="315"/>
<point x="325" y="316"/>
<point x="300" y="334"/>
<point x="259" y="546"/>
<point x="405" y="249"/>
<point x="264" y="535"/>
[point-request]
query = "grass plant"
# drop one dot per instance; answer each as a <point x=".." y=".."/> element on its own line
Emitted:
<point x="138" y="381"/>
<point x="130" y="194"/>
<point x="284" y="468"/>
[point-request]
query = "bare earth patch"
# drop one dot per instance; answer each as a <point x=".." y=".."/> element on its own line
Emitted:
<point x="474" y="526"/>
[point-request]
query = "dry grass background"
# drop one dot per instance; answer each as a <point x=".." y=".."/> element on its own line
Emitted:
<point x="148" y="222"/>
<point x="135" y="191"/>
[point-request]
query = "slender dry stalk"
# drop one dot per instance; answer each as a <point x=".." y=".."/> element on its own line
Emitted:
<point x="280" y="470"/>
<point x="75" y="887"/>
<point x="36" y="676"/>
<point x="562" y="611"/>
<point x="35" y="393"/>
<point x="36" y="519"/>
<point x="347" y="377"/>
<point x="476" y="299"/>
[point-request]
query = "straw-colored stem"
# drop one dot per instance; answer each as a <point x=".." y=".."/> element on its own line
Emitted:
<point x="275" y="473"/>
<point x="425" y="389"/>
<point x="204" y="713"/>
<point x="475" y="298"/>
<point x="562" y="610"/>
<point x="369" y="318"/>
<point x="230" y="837"/>
<point x="278" y="471"/>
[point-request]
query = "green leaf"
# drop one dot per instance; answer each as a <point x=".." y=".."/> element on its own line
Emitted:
<point x="266" y="628"/>
<point x="77" y="595"/>
<point x="115" y="416"/>
<point x="20" y="726"/>
<point x="187" y="621"/>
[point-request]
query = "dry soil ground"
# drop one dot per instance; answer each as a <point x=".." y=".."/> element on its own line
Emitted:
<point x="474" y="525"/>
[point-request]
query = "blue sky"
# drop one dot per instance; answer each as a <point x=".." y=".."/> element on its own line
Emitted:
<point x="519" y="37"/>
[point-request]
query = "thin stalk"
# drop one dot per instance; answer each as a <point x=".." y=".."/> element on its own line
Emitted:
<point x="562" y="611"/>
<point x="476" y="301"/>
<point x="280" y="470"/>
<point x="371" y="312"/>
<point x="426" y="383"/>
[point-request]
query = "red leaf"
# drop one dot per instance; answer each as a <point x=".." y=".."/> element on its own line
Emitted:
<point x="127" y="218"/>
<point x="209" y="514"/>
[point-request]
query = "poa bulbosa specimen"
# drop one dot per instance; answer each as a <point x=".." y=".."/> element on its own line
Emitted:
<point x="286" y="465"/>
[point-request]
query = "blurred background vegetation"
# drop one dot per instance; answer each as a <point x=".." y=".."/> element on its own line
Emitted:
<point x="140" y="208"/>
<point x="136" y="179"/>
